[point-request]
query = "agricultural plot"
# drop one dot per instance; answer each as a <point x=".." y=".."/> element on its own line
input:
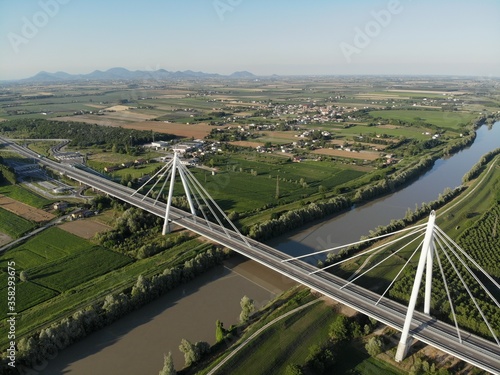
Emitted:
<point x="442" y="119"/>
<point x="482" y="241"/>
<point x="28" y="294"/>
<point x="13" y="225"/>
<point x="24" y="210"/>
<point x="24" y="195"/>
<point x="56" y="261"/>
<point x="70" y="271"/>
<point x="303" y="329"/>
<point x="237" y="188"/>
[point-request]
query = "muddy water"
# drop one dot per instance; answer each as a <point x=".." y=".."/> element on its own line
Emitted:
<point x="135" y="344"/>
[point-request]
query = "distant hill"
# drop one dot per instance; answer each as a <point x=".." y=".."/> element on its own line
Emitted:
<point x="125" y="74"/>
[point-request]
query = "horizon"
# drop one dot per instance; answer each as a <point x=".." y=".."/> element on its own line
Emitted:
<point x="368" y="38"/>
<point x="387" y="75"/>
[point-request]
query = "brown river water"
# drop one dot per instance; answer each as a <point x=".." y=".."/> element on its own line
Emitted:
<point x="135" y="344"/>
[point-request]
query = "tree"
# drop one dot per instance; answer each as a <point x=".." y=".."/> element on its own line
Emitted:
<point x="191" y="353"/>
<point x="293" y="369"/>
<point x="374" y="346"/>
<point x="220" y="332"/>
<point x="339" y="328"/>
<point x="247" y="308"/>
<point x="23" y="276"/>
<point x="168" y="365"/>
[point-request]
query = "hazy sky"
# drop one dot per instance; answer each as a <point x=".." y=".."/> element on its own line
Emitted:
<point x="262" y="36"/>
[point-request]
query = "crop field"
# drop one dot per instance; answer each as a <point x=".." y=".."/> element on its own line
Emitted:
<point x="197" y="131"/>
<point x="236" y="188"/>
<point x="24" y="210"/>
<point x="57" y="261"/>
<point x="442" y="119"/>
<point x="13" y="225"/>
<point x="24" y="195"/>
<point x="28" y="294"/>
<point x="70" y="271"/>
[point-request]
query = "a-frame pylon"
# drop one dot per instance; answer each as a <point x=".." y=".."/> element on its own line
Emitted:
<point x="176" y="167"/>
<point x="425" y="262"/>
<point x="198" y="198"/>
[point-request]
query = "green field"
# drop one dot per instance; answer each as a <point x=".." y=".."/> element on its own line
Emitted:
<point x="442" y="119"/>
<point x="70" y="271"/>
<point x="236" y="188"/>
<point x="14" y="225"/>
<point x="56" y="261"/>
<point x="24" y="195"/>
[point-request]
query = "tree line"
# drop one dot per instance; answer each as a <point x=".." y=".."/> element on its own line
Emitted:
<point x="81" y="134"/>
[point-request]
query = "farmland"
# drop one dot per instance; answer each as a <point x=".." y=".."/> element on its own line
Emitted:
<point x="57" y="261"/>
<point x="24" y="195"/>
<point x="13" y="225"/>
<point x="449" y="120"/>
<point x="244" y="184"/>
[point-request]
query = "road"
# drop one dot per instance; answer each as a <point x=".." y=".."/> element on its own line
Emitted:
<point x="473" y="349"/>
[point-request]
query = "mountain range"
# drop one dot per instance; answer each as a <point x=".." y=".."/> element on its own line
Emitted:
<point x="125" y="74"/>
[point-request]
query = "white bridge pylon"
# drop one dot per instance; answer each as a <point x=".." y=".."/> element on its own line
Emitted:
<point x="436" y="245"/>
<point x="198" y="199"/>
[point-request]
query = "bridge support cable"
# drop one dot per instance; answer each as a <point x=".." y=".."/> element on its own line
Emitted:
<point x="403" y="345"/>
<point x="197" y="197"/>
<point x="161" y="189"/>
<point x="448" y="295"/>
<point x="166" y="225"/>
<point x="353" y="243"/>
<point x="188" y="192"/>
<point x="365" y="252"/>
<point x="478" y="308"/>
<point x="472" y="273"/>
<point x="163" y="169"/>
<point x="469" y="258"/>
<point x="379" y="263"/>
<point x="399" y="273"/>
<point x="195" y="182"/>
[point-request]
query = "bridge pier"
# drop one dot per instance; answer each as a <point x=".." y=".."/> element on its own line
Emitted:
<point x="425" y="258"/>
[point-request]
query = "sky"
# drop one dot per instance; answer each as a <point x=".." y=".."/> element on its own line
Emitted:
<point x="285" y="37"/>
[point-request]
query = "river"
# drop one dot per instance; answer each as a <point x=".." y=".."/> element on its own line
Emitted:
<point x="135" y="344"/>
<point x="350" y="226"/>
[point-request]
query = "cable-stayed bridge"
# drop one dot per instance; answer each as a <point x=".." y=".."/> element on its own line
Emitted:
<point x="477" y="351"/>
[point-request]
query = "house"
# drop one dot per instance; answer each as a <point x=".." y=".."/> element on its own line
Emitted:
<point x="160" y="144"/>
<point x="81" y="213"/>
<point x="112" y="168"/>
<point x="59" y="206"/>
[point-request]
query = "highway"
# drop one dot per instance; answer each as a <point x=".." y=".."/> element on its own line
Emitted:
<point x="473" y="349"/>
